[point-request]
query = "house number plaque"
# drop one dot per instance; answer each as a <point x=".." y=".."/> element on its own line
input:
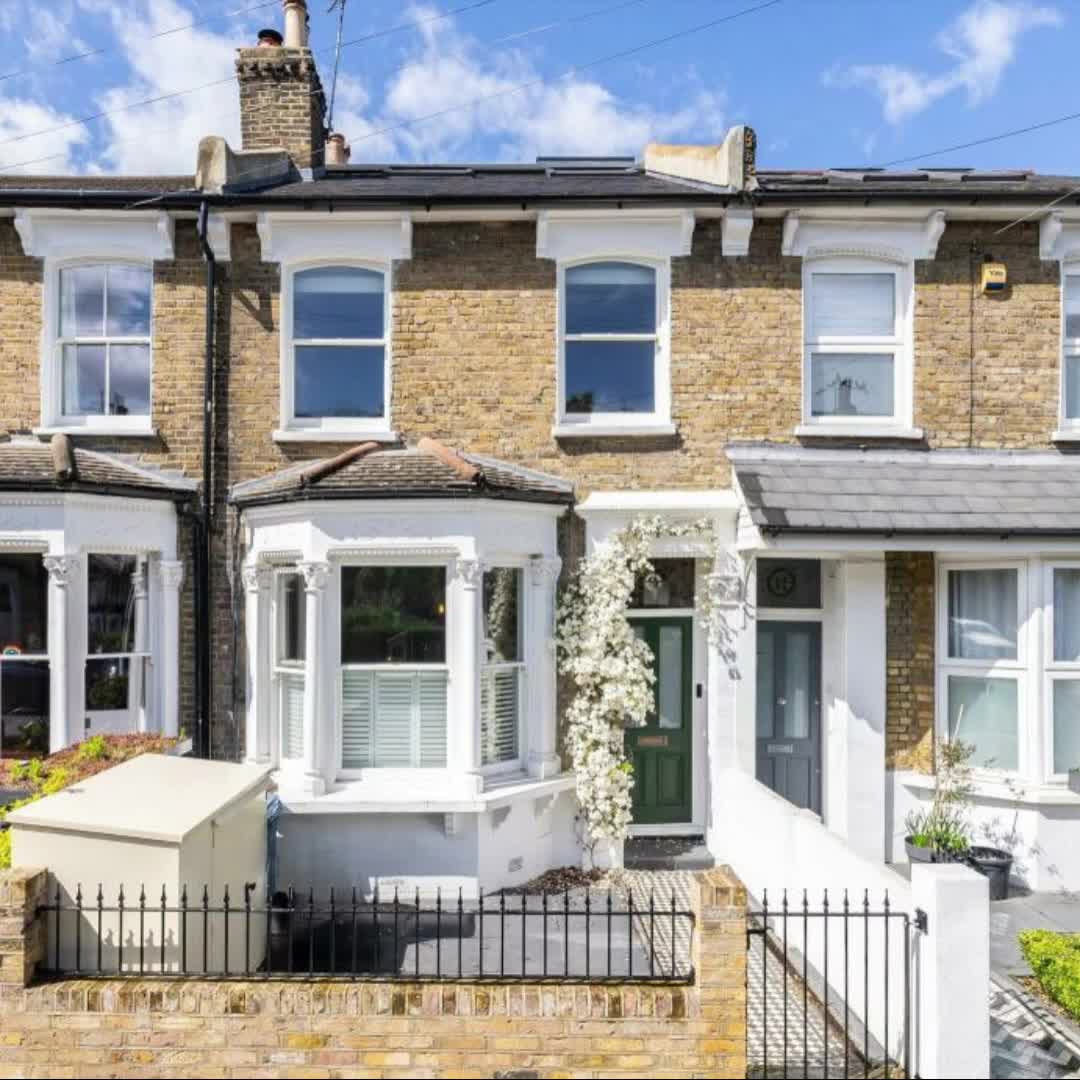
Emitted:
<point x="652" y="740"/>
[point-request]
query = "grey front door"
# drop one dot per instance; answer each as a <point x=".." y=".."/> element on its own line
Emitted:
<point x="789" y="710"/>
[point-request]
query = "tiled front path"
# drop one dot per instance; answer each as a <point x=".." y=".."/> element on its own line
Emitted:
<point x="1025" y="1038"/>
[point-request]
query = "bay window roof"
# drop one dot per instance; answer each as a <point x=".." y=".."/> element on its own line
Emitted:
<point x="972" y="492"/>
<point x="428" y="470"/>
<point x="30" y="465"/>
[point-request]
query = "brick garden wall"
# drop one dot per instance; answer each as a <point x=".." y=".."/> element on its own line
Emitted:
<point x="188" y="1027"/>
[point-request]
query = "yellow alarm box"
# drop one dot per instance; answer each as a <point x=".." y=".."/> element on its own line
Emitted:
<point x="994" y="277"/>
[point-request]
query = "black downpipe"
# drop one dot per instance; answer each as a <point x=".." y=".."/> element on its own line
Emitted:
<point x="204" y="608"/>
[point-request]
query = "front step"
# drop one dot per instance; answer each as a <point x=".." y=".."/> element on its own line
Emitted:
<point x="667" y="853"/>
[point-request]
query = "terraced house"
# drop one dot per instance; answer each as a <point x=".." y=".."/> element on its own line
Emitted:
<point x="299" y="450"/>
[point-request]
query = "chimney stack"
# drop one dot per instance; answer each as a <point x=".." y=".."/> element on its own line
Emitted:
<point x="282" y="103"/>
<point x="338" y="151"/>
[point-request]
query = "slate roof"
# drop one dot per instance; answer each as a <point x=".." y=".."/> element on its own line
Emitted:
<point x="27" y="465"/>
<point x="799" y="490"/>
<point x="406" y="473"/>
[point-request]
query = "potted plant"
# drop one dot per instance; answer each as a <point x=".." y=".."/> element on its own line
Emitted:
<point x="942" y="832"/>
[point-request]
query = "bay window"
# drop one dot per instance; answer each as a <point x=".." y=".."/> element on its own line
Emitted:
<point x="503" y="673"/>
<point x="857" y="368"/>
<point x="24" y="656"/>
<point x="289" y="654"/>
<point x="102" y="343"/>
<point x="394" y="669"/>
<point x="1064" y="669"/>
<point x="613" y="344"/>
<point x="983" y="665"/>
<point x="336" y="350"/>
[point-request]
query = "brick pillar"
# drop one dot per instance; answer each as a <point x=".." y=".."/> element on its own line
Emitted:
<point x="719" y="956"/>
<point x="22" y="932"/>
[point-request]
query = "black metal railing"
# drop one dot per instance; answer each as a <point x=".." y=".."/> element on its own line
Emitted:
<point x="830" y="988"/>
<point x="582" y="936"/>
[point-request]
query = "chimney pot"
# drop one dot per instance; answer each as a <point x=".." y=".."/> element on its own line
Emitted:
<point x="338" y="151"/>
<point x="296" y="24"/>
<point x="270" y="39"/>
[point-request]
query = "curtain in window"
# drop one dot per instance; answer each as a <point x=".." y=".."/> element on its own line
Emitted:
<point x="983" y="713"/>
<point x="983" y="614"/>
<point x="292" y="716"/>
<point x="854" y="305"/>
<point x="1066" y="725"/>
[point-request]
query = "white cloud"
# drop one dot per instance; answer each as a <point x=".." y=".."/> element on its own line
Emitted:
<point x="981" y="42"/>
<point x="162" y="137"/>
<point x="572" y="115"/>
<point x="21" y="151"/>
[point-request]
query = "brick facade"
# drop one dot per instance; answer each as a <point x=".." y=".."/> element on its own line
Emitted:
<point x="474" y="355"/>
<point x="329" y="1029"/>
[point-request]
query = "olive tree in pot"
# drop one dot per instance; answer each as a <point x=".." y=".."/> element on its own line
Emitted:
<point x="942" y="832"/>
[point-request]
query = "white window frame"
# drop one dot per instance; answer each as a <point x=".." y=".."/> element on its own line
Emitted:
<point x="1018" y="670"/>
<point x="517" y="764"/>
<point x="899" y="345"/>
<point x="280" y="668"/>
<point x="1054" y="670"/>
<point x="53" y="342"/>
<point x="589" y="425"/>
<point x="445" y="667"/>
<point x="333" y="428"/>
<point x="1069" y="427"/>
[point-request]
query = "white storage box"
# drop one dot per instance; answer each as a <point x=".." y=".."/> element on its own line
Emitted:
<point x="153" y="822"/>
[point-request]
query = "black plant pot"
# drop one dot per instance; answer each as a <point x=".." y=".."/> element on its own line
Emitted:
<point x="995" y="865"/>
<point x="919" y="854"/>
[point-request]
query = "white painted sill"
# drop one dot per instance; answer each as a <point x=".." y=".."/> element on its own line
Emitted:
<point x="1032" y="795"/>
<point x="148" y="432"/>
<point x="1066" y="435"/>
<point x="614" y="431"/>
<point x="861" y="431"/>
<point x="324" y="435"/>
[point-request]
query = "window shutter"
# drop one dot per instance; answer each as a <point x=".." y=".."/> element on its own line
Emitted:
<point x="292" y="716"/>
<point x="394" y="720"/>
<point x="431" y="694"/>
<point x="357" y="715"/>
<point x="499" y="711"/>
<point x="854" y="305"/>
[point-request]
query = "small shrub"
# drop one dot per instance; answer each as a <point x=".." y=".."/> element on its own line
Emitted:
<point x="1055" y="960"/>
<point x="94" y="749"/>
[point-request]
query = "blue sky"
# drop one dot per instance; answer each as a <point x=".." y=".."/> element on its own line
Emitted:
<point x="824" y="82"/>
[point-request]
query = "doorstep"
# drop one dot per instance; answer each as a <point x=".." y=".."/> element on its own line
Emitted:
<point x="667" y="853"/>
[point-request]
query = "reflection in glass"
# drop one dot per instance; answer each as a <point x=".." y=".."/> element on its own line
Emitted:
<point x="983" y="714"/>
<point x="393" y="614"/>
<point x="111" y="603"/>
<point x="766" y="682"/>
<point x="982" y="614"/>
<point x="1067" y="615"/>
<point x="293" y="626"/>
<point x="338" y="303"/>
<point x="129" y="380"/>
<point x="670" y="585"/>
<point x="610" y="376"/>
<point x="1066" y="725"/>
<point x="339" y="380"/>
<point x="851" y="384"/>
<point x="24" y="706"/>
<point x="84" y="380"/>
<point x="108" y="683"/>
<point x="502" y="614"/>
<point x="1072" y="387"/>
<point x="610" y="298"/>
<point x="24" y="605"/>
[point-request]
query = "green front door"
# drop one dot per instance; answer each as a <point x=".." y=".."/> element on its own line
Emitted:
<point x="662" y="750"/>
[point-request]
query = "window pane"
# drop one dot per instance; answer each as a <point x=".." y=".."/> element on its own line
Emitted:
<point x="854" y="305"/>
<point x="610" y="377"/>
<point x="108" y="684"/>
<point x="342" y="381"/>
<point x="669" y="664"/>
<point x="798" y="683"/>
<point x="1066" y="725"/>
<point x="982" y="614"/>
<point x="24" y="605"/>
<point x="84" y="380"/>
<point x="110" y="603"/>
<point x="611" y="298"/>
<point x="393" y="614"/>
<point x="129" y="380"/>
<point x="82" y="301"/>
<point x="789" y="583"/>
<point x="24" y="706"/>
<point x="851" y="384"/>
<point x="1067" y="615"/>
<point x="671" y="585"/>
<point x="1072" y="306"/>
<point x="1072" y="387"/>
<point x="338" y="302"/>
<point x="293" y="618"/>
<point x="502" y="614"/>
<point x="128" y="301"/>
<point x="983" y="714"/>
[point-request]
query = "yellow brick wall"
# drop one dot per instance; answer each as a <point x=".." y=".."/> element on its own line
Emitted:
<point x="189" y="1027"/>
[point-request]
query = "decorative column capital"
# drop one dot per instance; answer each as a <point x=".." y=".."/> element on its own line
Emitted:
<point x="544" y="573"/>
<point x="172" y="574"/>
<point x="316" y="576"/>
<point x="470" y="572"/>
<point x="256" y="577"/>
<point x="62" y="569"/>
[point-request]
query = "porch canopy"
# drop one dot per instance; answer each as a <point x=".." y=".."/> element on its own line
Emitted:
<point x="884" y="493"/>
